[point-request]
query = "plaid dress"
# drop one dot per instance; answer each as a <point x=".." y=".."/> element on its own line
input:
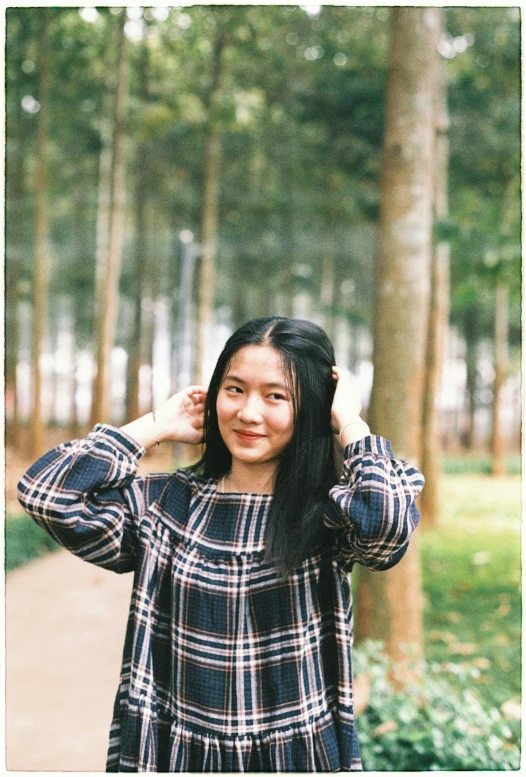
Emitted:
<point x="227" y="666"/>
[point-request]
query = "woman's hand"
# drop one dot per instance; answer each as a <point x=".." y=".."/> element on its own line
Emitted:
<point x="346" y="406"/>
<point x="179" y="419"/>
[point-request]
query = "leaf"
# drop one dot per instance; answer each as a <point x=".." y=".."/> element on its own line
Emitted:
<point x="504" y="609"/>
<point x="482" y="557"/>
<point x="462" y="649"/>
<point x="511" y="709"/>
<point x="482" y="663"/>
<point x="389" y="727"/>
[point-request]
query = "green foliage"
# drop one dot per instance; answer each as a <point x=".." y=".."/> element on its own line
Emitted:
<point x="24" y="541"/>
<point x="478" y="465"/>
<point x="471" y="572"/>
<point x="436" y="723"/>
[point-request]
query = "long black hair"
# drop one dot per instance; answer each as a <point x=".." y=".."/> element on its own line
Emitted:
<point x="307" y="467"/>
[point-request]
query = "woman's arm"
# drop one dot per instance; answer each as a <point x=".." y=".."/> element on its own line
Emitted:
<point x="85" y="493"/>
<point x="373" y="505"/>
<point x="179" y="419"/>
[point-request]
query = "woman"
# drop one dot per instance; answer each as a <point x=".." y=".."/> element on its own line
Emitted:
<point x="238" y="648"/>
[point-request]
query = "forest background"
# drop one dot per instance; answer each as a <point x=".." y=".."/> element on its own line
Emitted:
<point x="174" y="172"/>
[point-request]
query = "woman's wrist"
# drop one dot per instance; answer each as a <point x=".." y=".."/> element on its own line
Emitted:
<point x="351" y="430"/>
<point x="146" y="430"/>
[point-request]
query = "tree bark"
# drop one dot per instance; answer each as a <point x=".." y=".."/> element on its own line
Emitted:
<point x="14" y="254"/>
<point x="209" y="221"/>
<point x="438" y="317"/>
<point x="41" y="250"/>
<point x="393" y="600"/>
<point x="498" y="445"/>
<point x="107" y="312"/>
<point x="141" y="258"/>
<point x="468" y="432"/>
<point x="328" y="279"/>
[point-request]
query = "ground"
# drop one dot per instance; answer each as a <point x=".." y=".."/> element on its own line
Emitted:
<point x="65" y="625"/>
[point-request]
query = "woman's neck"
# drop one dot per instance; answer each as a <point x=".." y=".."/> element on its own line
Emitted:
<point x="250" y="478"/>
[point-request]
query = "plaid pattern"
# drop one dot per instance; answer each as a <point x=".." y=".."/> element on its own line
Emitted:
<point x="226" y="666"/>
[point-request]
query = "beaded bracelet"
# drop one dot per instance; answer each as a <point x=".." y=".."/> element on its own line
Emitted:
<point x="350" y="424"/>
<point x="155" y="421"/>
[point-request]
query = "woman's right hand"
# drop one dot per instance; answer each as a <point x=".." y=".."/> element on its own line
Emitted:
<point x="179" y="419"/>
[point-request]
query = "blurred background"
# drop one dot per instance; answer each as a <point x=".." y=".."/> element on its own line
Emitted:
<point x="172" y="172"/>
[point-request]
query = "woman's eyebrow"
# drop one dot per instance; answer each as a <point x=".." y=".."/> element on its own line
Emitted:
<point x="265" y="385"/>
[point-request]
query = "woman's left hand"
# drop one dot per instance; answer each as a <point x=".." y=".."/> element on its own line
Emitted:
<point x="346" y="404"/>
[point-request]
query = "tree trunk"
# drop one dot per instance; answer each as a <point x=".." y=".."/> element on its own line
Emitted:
<point x="209" y="222"/>
<point x="107" y="312"/>
<point x="14" y="255"/>
<point x="41" y="250"/>
<point x="468" y="433"/>
<point x="141" y="259"/>
<point x="328" y="279"/>
<point x="390" y="604"/>
<point x="498" y="446"/>
<point x="438" y="317"/>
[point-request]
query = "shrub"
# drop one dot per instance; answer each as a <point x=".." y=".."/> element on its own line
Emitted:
<point x="437" y="724"/>
<point x="24" y="541"/>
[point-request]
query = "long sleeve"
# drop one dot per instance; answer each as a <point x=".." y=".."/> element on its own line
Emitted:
<point x="86" y="495"/>
<point x="373" y="506"/>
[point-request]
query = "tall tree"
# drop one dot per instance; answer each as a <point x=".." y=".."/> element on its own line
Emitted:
<point x="210" y="209"/>
<point x="390" y="604"/>
<point x="41" y="249"/>
<point x="140" y="250"/>
<point x="109" y="284"/>
<point x="498" y="448"/>
<point x="438" y="311"/>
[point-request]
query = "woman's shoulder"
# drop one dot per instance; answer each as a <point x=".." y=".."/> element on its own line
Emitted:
<point x="194" y="483"/>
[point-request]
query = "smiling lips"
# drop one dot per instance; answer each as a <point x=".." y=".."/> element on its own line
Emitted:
<point x="248" y="436"/>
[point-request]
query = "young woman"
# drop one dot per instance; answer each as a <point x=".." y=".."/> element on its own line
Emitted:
<point x="238" y="648"/>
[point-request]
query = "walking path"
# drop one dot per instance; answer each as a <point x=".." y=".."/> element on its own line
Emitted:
<point x="65" y="624"/>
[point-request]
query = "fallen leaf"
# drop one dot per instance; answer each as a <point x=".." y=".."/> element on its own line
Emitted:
<point x="361" y="692"/>
<point x="482" y="557"/>
<point x="511" y="709"/>
<point x="462" y="649"/>
<point x="482" y="663"/>
<point x="385" y="728"/>
<point x="454" y="617"/>
<point x="503" y="609"/>
<point x="501" y="639"/>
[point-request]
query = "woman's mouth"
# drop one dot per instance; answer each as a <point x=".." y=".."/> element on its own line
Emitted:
<point x="248" y="436"/>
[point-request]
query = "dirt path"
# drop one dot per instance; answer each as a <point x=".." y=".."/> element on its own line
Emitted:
<point x="65" y="623"/>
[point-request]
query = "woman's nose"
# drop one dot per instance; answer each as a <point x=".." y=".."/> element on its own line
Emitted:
<point x="250" y="411"/>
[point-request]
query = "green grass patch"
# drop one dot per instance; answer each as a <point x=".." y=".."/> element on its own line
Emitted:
<point x="24" y="541"/>
<point x="471" y="569"/>
<point x="478" y="465"/>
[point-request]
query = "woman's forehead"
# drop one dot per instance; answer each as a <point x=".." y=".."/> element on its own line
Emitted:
<point x="259" y="361"/>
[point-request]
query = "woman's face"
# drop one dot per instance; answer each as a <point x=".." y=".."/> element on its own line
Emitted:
<point x="254" y="406"/>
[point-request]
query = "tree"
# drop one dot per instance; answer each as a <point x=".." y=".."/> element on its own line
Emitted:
<point x="438" y="311"/>
<point x="498" y="448"/>
<point x="109" y="286"/>
<point x="209" y="224"/>
<point x="390" y="605"/>
<point x="41" y="251"/>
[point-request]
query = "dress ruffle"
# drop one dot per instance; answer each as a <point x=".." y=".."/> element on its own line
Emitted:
<point x="152" y="744"/>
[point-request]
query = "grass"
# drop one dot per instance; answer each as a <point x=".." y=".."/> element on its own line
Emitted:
<point x="24" y="541"/>
<point x="471" y="569"/>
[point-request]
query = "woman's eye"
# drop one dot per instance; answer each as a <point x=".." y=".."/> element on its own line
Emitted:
<point x="233" y="389"/>
<point x="277" y="396"/>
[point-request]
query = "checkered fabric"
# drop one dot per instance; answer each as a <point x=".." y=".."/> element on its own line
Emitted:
<point x="227" y="665"/>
